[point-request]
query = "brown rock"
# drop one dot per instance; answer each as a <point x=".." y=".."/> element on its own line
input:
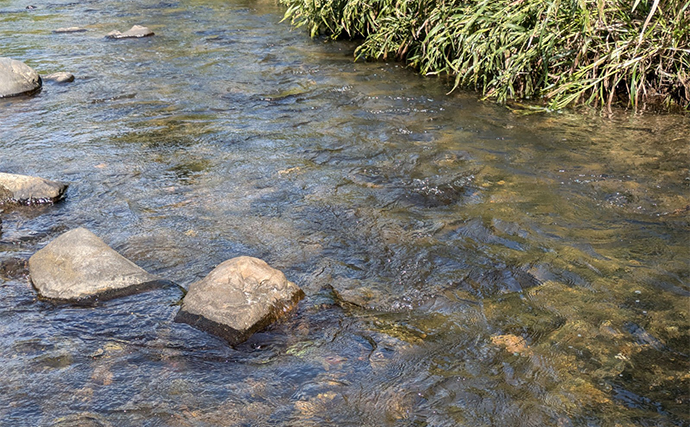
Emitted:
<point x="512" y="343"/>
<point x="238" y="298"/>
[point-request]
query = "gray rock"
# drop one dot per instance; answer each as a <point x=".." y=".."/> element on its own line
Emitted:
<point x="135" y="32"/>
<point x="29" y="189"/>
<point x="17" y="78"/>
<point x="61" y="77"/>
<point x="239" y="297"/>
<point x="80" y="267"/>
<point x="69" y="30"/>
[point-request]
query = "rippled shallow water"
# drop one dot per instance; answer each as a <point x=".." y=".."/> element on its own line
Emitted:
<point x="464" y="265"/>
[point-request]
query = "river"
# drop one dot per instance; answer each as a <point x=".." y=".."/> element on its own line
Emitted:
<point x="464" y="264"/>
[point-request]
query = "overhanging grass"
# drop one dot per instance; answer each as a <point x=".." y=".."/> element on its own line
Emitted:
<point x="563" y="52"/>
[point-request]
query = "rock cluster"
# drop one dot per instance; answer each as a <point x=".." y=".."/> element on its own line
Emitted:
<point x="238" y="298"/>
<point x="17" y="78"/>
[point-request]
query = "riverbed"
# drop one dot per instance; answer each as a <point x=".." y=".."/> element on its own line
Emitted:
<point x="464" y="264"/>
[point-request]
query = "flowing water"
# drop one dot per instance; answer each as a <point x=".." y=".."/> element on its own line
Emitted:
<point x="464" y="265"/>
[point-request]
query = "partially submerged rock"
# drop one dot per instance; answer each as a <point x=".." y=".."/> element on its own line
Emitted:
<point x="69" y="30"/>
<point x="17" y="78"/>
<point x="79" y="267"/>
<point x="29" y="189"/>
<point x="135" y="32"/>
<point x="239" y="297"/>
<point x="61" y="77"/>
<point x="512" y="343"/>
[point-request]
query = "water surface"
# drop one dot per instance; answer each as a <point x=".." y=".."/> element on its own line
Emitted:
<point x="464" y="265"/>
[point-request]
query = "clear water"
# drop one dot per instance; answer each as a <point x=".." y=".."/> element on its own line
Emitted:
<point x="464" y="265"/>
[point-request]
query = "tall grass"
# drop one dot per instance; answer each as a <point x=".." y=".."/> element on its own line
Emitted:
<point x="559" y="52"/>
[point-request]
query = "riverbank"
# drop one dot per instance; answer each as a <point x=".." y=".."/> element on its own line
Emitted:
<point x="632" y="54"/>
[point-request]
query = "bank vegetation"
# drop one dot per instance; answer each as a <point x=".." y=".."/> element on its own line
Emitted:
<point x="557" y="53"/>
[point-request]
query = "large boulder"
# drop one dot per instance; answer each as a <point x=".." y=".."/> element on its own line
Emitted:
<point x="80" y="267"/>
<point x="136" y="32"/>
<point x="17" y="78"/>
<point x="29" y="189"/>
<point x="239" y="297"/>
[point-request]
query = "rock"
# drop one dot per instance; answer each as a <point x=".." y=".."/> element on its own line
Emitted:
<point x="362" y="297"/>
<point x="69" y="30"/>
<point x="61" y="77"/>
<point x="513" y="343"/>
<point x="135" y="32"/>
<point x="17" y="78"/>
<point x="239" y="297"/>
<point x="80" y="267"/>
<point x="437" y="191"/>
<point x="29" y="189"/>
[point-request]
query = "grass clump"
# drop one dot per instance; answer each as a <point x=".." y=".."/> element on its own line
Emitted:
<point x="635" y="53"/>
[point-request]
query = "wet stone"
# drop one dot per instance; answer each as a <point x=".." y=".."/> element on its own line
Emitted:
<point x="135" y="32"/>
<point x="17" y="78"/>
<point x="498" y="281"/>
<point x="433" y="192"/>
<point x="238" y="298"/>
<point x="29" y="189"/>
<point x="61" y="77"/>
<point x="79" y="267"/>
<point x="68" y="30"/>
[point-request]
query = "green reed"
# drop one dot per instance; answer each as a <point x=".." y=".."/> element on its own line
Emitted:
<point x="634" y="53"/>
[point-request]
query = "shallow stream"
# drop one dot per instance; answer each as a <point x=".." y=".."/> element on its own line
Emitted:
<point x="464" y="265"/>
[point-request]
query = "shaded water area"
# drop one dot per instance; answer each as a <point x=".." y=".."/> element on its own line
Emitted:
<point x="463" y="265"/>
